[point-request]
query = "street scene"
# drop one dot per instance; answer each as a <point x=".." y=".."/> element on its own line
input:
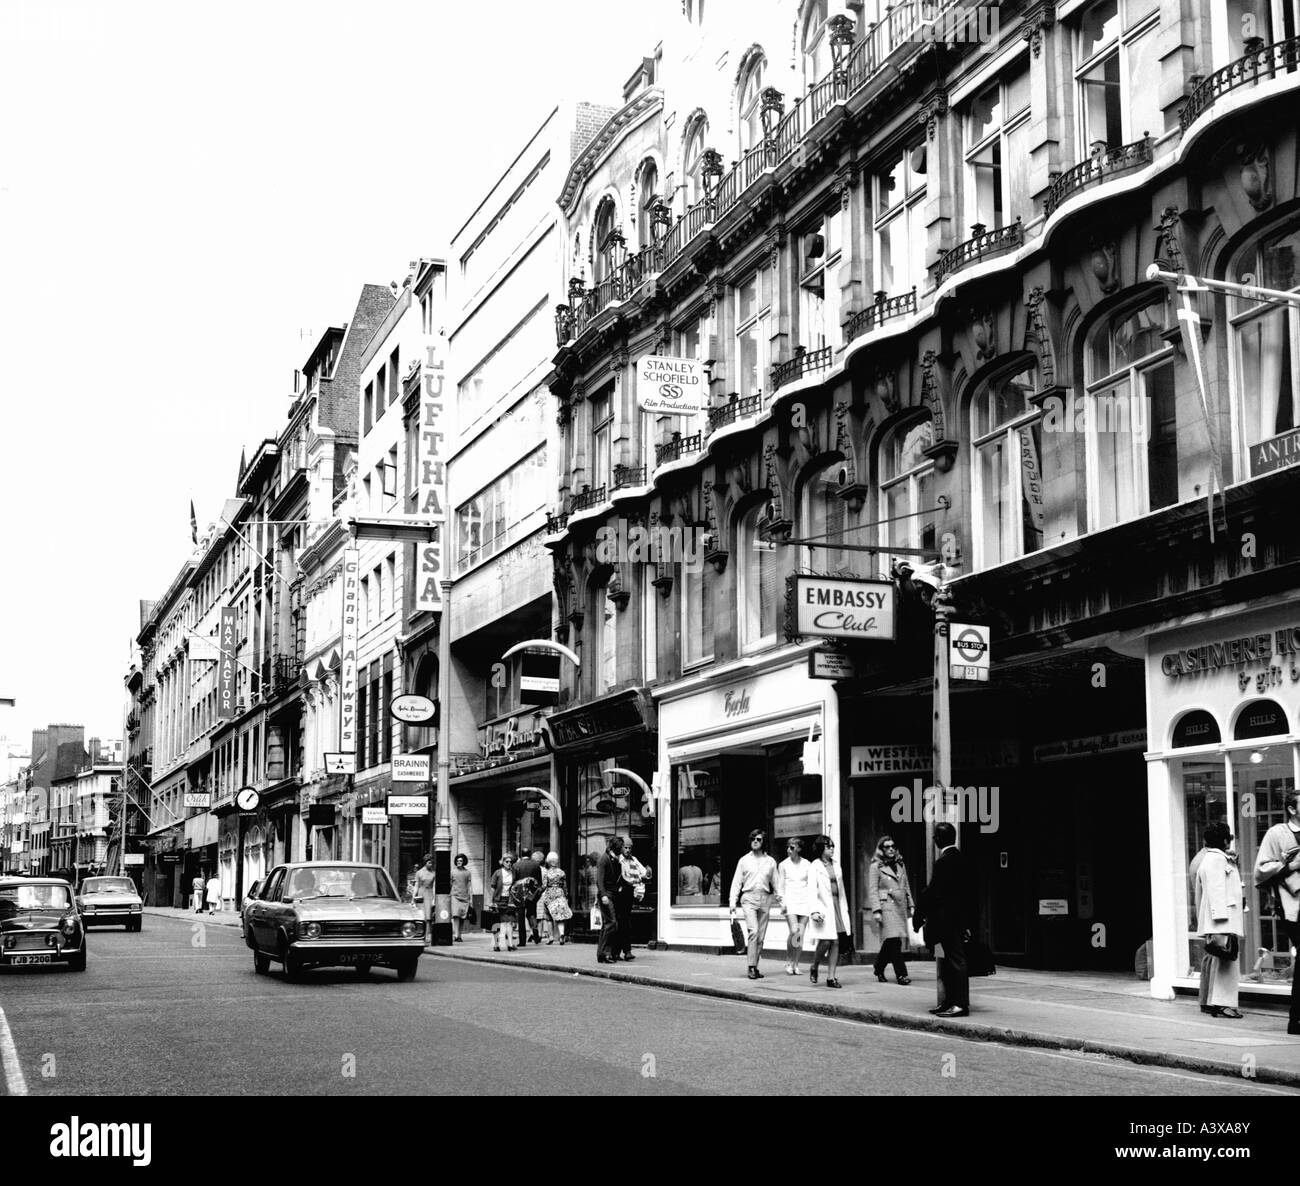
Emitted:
<point x="674" y="549"/>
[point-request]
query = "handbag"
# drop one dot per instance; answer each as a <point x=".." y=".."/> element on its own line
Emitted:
<point x="594" y="919"/>
<point x="915" y="940"/>
<point x="1222" y="947"/>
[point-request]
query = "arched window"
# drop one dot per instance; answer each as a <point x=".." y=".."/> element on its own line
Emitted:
<point x="601" y="230"/>
<point x="907" y="506"/>
<point x="749" y="103"/>
<point x="1265" y="337"/>
<point x="1007" y="492"/>
<point x="816" y="43"/>
<point x="826" y="516"/>
<point x="647" y="192"/>
<point x="606" y="639"/>
<point x="692" y="158"/>
<point x="757" y="582"/>
<point x="1130" y="416"/>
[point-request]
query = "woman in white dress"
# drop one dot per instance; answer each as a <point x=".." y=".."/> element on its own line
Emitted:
<point x="795" y="893"/>
<point x="828" y="919"/>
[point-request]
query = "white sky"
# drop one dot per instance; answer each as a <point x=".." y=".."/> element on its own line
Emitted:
<point x="189" y="194"/>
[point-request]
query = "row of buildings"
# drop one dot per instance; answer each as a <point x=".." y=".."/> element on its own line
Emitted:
<point x="906" y="248"/>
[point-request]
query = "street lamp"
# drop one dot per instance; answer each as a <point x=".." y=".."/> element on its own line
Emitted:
<point x="563" y="324"/>
<point x="661" y="221"/>
<point x="711" y="175"/>
<point x="841" y="39"/>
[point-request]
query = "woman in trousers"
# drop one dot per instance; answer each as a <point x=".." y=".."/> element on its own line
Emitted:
<point x="889" y="898"/>
<point x="1220" y="917"/>
<point x="828" y="919"/>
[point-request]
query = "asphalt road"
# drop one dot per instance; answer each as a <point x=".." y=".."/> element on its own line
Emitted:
<point x="178" y="1013"/>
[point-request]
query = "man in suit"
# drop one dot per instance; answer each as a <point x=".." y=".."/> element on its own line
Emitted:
<point x="524" y="895"/>
<point x="609" y="876"/>
<point x="945" y="912"/>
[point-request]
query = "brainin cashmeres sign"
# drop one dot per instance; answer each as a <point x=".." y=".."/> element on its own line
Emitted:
<point x="670" y="386"/>
<point x="840" y="607"/>
<point x="430" y="557"/>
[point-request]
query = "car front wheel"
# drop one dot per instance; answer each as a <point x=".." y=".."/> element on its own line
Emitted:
<point x="407" y="968"/>
<point x="77" y="963"/>
<point x="261" y="963"/>
<point x="292" y="965"/>
<point x="135" y="924"/>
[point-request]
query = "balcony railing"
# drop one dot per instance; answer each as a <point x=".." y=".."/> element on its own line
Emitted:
<point x="679" y="447"/>
<point x="1102" y="166"/>
<point x="884" y="308"/>
<point x="737" y="408"/>
<point x="1261" y="63"/>
<point x="980" y="245"/>
<point x="556" y="522"/>
<point x="626" y="476"/>
<point x="592" y="496"/>
<point x="804" y="362"/>
<point x="285" y="674"/>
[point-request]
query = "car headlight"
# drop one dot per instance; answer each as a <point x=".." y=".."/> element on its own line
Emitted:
<point x="411" y="929"/>
<point x="309" y="930"/>
<point x="68" y="926"/>
<point x="135" y="909"/>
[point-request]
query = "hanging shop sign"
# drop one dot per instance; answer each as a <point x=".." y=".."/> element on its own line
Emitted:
<point x="374" y="815"/>
<point x="519" y="736"/>
<point x="602" y="721"/>
<point x="828" y="664"/>
<point x="969" y="657"/>
<point x="414" y="710"/>
<point x="348" y="667"/>
<point x="226" y="666"/>
<point x="1053" y="906"/>
<point x="430" y="557"/>
<point x="1097" y="743"/>
<point x="842" y="607"/>
<point x="133" y="858"/>
<point x="198" y="799"/>
<point x="340" y="763"/>
<point x="1278" y="453"/>
<point x="670" y="386"/>
<point x="539" y="678"/>
<point x="411" y="767"/>
<point x="408" y="805"/>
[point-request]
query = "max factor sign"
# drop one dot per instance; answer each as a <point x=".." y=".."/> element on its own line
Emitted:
<point x="1235" y="652"/>
<point x="839" y="607"/>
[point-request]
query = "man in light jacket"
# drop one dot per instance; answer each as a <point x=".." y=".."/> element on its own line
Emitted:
<point x="752" y="889"/>
<point x="1278" y="865"/>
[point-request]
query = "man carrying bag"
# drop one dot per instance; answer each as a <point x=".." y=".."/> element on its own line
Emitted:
<point x="1277" y="867"/>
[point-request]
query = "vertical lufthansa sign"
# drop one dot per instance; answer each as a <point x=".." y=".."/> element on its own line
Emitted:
<point x="226" y="666"/>
<point x="431" y="557"/>
<point x="348" y="667"/>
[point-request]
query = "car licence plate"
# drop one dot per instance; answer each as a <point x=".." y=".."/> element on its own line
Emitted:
<point x="43" y="958"/>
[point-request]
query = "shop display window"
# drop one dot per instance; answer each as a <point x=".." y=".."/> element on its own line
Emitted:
<point x="609" y="807"/>
<point x="718" y="800"/>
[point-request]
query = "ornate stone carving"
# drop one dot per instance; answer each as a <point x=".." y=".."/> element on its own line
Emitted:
<point x="1037" y="19"/>
<point x="884" y="389"/>
<point x="1169" y="247"/>
<point x="930" y="394"/>
<point x="777" y="522"/>
<point x="1103" y="260"/>
<point x="1039" y="334"/>
<point x="1256" y="174"/>
<point x="983" y="332"/>
<point x="932" y="107"/>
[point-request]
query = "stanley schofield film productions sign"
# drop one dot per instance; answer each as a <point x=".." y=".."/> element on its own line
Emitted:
<point x="670" y="386"/>
<point x="840" y="607"/>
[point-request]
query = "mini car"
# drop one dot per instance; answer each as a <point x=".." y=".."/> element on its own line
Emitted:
<point x="40" y="924"/>
<point x="110" y="902"/>
<point x="332" y="914"/>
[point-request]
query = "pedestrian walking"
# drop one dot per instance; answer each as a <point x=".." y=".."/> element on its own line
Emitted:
<point x="1220" y="918"/>
<point x="630" y="891"/>
<point x="752" y="889"/>
<point x="1277" y="867"/>
<point x="462" y="894"/>
<point x="828" y="920"/>
<point x="502" y="880"/>
<point x="1207" y="956"/>
<point x="214" y="894"/>
<point x="524" y="894"/>
<point x="196" y="893"/>
<point x="889" y="898"/>
<point x="794" y="892"/>
<point x="609" y="873"/>
<point x="424" y="894"/>
<point x="947" y="914"/>
<point x="553" y="905"/>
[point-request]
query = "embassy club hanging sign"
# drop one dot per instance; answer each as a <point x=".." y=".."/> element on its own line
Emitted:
<point x="431" y="557"/>
<point x="840" y="607"/>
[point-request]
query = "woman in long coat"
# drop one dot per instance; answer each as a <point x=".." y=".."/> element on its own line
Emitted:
<point x="889" y="898"/>
<point x="1220" y="914"/>
<point x="829" y="917"/>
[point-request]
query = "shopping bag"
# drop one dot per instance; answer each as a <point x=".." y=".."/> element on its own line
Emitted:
<point x="594" y="920"/>
<point x="915" y="939"/>
<point x="738" y="940"/>
<point x="812" y="754"/>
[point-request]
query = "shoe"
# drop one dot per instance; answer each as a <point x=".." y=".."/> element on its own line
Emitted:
<point x="753" y="973"/>
<point x="1230" y="1013"/>
<point x="951" y="1011"/>
<point x="629" y="956"/>
<point x="458" y="939"/>
<point x="904" y="980"/>
<point x="757" y="974"/>
<point x="812" y="974"/>
<point x="937" y="1010"/>
<point x="881" y="977"/>
<point x="789" y="970"/>
<point x="563" y="940"/>
<point x="1293" y="1027"/>
<point x="832" y="983"/>
<point x="549" y="942"/>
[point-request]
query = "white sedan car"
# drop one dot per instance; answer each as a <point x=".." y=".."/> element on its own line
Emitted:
<point x="110" y="902"/>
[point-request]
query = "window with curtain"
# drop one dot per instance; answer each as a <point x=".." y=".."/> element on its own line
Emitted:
<point x="607" y="643"/>
<point x="697" y="614"/>
<point x="907" y="501"/>
<point x="749" y="105"/>
<point x="997" y="152"/>
<point x="826" y="516"/>
<point x="820" y="251"/>
<point x="758" y="585"/>
<point x="1130" y="416"/>
<point x="899" y="220"/>
<point x="753" y="299"/>
<point x="1116" y="61"/>
<point x="647" y="191"/>
<point x="1007" y="477"/>
<point x="1267" y="359"/>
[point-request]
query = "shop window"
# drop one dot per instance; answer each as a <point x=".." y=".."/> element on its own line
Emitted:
<point x="1007" y="473"/>
<point x="718" y="800"/>
<point x="898" y="186"/>
<point x="753" y="308"/>
<point x="758" y="584"/>
<point x="997" y="152"/>
<point x="1197" y="727"/>
<point x="607" y="807"/>
<point x="820" y="252"/>
<point x="1260" y="718"/>
<point x="907" y="502"/>
<point x="748" y="105"/>
<point x="826" y="516"/>
<point x="1116" y="58"/>
<point x="1131" y="417"/>
<point x="1267" y="359"/>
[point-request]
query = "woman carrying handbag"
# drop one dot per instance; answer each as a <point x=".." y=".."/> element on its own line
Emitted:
<point x="1220" y="918"/>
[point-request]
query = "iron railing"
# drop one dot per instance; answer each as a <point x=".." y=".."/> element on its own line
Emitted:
<point x="592" y="496"/>
<point x="881" y="310"/>
<point x="737" y="408"/>
<point x="1110" y="162"/>
<point x="556" y="522"/>
<point x="981" y="245"/>
<point x="285" y="673"/>
<point x="1261" y="63"/>
<point x="629" y="475"/>
<point x="804" y="362"/>
<point x="678" y="447"/>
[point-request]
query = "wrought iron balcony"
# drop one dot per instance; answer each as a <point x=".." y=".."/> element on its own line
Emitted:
<point x="981" y="245"/>
<point x="1099" y="167"/>
<point x="884" y="308"/>
<point x="1260" y="64"/>
<point x="556" y="522"/>
<point x="629" y="475"/>
<point x="591" y="496"/>
<point x="285" y="672"/>
<point x="737" y="408"/>
<point x="679" y="447"/>
<point x="804" y="362"/>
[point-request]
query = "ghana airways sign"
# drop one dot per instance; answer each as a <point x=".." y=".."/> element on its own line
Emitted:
<point x="842" y="607"/>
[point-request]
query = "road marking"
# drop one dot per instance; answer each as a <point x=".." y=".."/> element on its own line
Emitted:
<point x="15" y="1084"/>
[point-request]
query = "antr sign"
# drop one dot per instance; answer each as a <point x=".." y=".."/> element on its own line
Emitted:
<point x="840" y="607"/>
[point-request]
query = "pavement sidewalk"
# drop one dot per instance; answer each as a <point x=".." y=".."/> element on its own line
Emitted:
<point x="1111" y="1015"/>
<point x="224" y="918"/>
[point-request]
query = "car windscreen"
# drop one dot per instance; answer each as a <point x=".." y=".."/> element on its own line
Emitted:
<point x="14" y="898"/>
<point x="326" y="881"/>
<point x="107" y="885"/>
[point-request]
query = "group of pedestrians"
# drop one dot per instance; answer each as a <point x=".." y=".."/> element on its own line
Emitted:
<point x="620" y="882"/>
<point x="205" y="894"/>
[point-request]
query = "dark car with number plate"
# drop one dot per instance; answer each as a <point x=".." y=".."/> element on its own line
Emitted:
<point x="110" y="902"/>
<point x="318" y="914"/>
<point x="40" y="924"/>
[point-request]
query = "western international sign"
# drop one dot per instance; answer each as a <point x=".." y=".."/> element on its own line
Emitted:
<point x="670" y="386"/>
<point x="841" y="607"/>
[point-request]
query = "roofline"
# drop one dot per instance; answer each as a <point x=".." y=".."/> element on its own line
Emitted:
<point x="541" y="127"/>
